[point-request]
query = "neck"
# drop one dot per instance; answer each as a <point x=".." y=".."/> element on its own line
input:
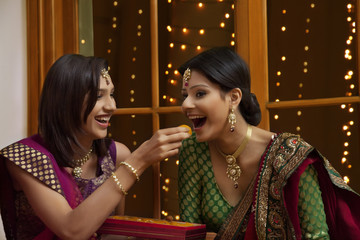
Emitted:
<point x="83" y="149"/>
<point x="240" y="148"/>
<point x="232" y="140"/>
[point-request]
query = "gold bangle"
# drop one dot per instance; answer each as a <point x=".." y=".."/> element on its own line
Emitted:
<point x="132" y="169"/>
<point x="118" y="183"/>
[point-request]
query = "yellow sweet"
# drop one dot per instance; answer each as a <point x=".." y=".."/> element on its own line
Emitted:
<point x="186" y="126"/>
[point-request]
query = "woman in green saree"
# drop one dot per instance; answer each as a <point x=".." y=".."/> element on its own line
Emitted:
<point x="247" y="183"/>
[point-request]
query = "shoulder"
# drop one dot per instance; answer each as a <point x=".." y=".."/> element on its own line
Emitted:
<point x="288" y="151"/>
<point x="122" y="152"/>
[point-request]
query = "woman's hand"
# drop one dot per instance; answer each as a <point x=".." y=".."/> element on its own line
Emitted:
<point x="163" y="144"/>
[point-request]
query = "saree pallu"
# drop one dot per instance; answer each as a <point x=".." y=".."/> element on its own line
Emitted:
<point x="31" y="155"/>
<point x="270" y="209"/>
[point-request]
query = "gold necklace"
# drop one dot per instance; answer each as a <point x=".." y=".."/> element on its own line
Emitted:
<point x="79" y="162"/>
<point x="233" y="170"/>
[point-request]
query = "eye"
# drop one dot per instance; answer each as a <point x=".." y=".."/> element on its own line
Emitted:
<point x="185" y="95"/>
<point x="99" y="96"/>
<point x="200" y="94"/>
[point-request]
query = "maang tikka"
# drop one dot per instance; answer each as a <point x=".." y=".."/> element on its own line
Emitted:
<point x="186" y="76"/>
<point x="105" y="74"/>
<point x="232" y="119"/>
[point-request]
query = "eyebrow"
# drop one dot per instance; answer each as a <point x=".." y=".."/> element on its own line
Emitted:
<point x="195" y="86"/>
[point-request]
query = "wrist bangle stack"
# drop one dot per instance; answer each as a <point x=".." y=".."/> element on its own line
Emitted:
<point x="118" y="183"/>
<point x="132" y="169"/>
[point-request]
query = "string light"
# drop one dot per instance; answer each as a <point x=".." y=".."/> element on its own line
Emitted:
<point x="190" y="39"/>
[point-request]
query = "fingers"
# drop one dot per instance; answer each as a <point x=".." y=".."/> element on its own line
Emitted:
<point x="174" y="130"/>
<point x="169" y="135"/>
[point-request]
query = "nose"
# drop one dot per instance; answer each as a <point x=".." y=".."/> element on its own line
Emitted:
<point x="187" y="104"/>
<point x="110" y="104"/>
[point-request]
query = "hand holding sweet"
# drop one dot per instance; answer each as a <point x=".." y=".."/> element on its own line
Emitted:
<point x="163" y="144"/>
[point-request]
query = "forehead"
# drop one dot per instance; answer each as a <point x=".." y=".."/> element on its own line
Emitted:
<point x="105" y="83"/>
<point x="198" y="78"/>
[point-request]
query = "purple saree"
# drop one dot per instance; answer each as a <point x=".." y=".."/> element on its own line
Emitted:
<point x="20" y="222"/>
<point x="270" y="209"/>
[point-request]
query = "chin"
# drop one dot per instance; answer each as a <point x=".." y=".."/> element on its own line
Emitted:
<point x="101" y="135"/>
<point x="200" y="138"/>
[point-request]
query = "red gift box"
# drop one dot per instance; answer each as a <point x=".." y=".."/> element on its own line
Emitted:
<point x="151" y="228"/>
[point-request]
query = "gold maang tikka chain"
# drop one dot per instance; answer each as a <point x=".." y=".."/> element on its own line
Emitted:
<point x="233" y="170"/>
<point x="79" y="162"/>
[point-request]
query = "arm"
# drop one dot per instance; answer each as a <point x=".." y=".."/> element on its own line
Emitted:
<point x="310" y="207"/>
<point x="122" y="152"/>
<point x="84" y="220"/>
<point x="189" y="187"/>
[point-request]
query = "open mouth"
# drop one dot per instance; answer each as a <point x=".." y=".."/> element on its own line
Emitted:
<point x="198" y="121"/>
<point x="102" y="120"/>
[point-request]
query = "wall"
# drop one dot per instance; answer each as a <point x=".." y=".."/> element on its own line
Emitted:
<point x="13" y="70"/>
<point x="13" y="87"/>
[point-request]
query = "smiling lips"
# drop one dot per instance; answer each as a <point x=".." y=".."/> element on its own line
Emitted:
<point x="198" y="121"/>
<point x="103" y="120"/>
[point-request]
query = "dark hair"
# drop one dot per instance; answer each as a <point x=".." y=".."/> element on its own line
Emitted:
<point x="71" y="80"/>
<point x="221" y="65"/>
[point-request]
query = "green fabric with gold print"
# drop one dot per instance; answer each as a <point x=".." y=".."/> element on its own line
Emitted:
<point x="201" y="200"/>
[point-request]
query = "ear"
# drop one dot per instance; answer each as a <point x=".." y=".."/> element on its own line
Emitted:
<point x="235" y="96"/>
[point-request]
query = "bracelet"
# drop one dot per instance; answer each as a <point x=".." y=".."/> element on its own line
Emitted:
<point x="132" y="169"/>
<point x="118" y="183"/>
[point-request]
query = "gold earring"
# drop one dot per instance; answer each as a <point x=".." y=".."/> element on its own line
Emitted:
<point x="232" y="119"/>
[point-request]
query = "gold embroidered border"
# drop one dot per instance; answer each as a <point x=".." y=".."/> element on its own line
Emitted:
<point x="237" y="216"/>
<point x="285" y="154"/>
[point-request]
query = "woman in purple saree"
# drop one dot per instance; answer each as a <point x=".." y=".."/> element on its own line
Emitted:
<point x="65" y="181"/>
<point x="244" y="182"/>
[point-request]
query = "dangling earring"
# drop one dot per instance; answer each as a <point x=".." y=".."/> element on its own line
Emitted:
<point x="232" y="119"/>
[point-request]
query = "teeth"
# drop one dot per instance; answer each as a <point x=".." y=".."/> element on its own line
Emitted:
<point x="195" y="117"/>
<point x="105" y="119"/>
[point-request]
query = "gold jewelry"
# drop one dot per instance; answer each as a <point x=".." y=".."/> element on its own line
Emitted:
<point x="186" y="76"/>
<point x="77" y="163"/>
<point x="132" y="169"/>
<point x="232" y="119"/>
<point x="105" y="74"/>
<point x="233" y="170"/>
<point x="118" y="183"/>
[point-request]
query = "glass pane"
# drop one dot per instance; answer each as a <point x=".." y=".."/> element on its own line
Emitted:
<point x="333" y="130"/>
<point x="185" y="29"/>
<point x="312" y="49"/>
<point x="122" y="36"/>
<point x="169" y="170"/>
<point x="133" y="130"/>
